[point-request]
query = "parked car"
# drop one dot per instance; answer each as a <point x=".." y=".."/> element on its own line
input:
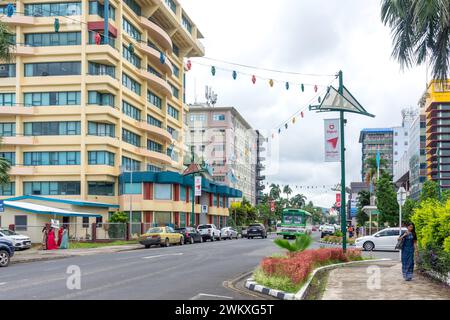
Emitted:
<point x="190" y="235"/>
<point x="326" y="230"/>
<point x="244" y="232"/>
<point x="314" y="228"/>
<point x="385" y="239"/>
<point x="256" y="230"/>
<point x="20" y="242"/>
<point x="163" y="236"/>
<point x="6" y="252"/>
<point x="209" y="232"/>
<point x="228" y="233"/>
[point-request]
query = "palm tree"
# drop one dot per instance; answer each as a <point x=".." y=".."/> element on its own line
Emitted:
<point x="4" y="169"/>
<point x="275" y="191"/>
<point x="298" y="201"/>
<point x="5" y="43"/>
<point x="420" y="31"/>
<point x="301" y="243"/>
<point x="287" y="191"/>
<point x="372" y="168"/>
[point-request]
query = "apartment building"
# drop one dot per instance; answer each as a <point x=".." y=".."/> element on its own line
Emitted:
<point x="417" y="155"/>
<point x="374" y="141"/>
<point x="96" y="89"/>
<point x="226" y="141"/>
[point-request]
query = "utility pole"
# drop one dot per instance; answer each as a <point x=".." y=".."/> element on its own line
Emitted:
<point x="343" y="193"/>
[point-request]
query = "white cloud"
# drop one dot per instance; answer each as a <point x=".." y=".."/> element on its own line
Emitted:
<point x="321" y="36"/>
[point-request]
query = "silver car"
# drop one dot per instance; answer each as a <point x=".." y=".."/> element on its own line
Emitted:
<point x="228" y="233"/>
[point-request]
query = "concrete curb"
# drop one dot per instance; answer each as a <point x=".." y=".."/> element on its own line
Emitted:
<point x="337" y="244"/>
<point x="301" y="294"/>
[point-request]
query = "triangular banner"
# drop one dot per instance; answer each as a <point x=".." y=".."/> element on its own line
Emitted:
<point x="334" y="101"/>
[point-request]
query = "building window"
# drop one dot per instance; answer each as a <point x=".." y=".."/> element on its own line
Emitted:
<point x="97" y="8"/>
<point x="101" y="158"/>
<point x="131" y="188"/>
<point x="163" y="191"/>
<point x="154" y="99"/>
<point x="65" y="128"/>
<point x="154" y="146"/>
<point x="98" y="69"/>
<point x="21" y="223"/>
<point x="133" y="6"/>
<point x="129" y="28"/>
<point x="101" y="99"/>
<point x="131" y="164"/>
<point x="60" y="158"/>
<point x="176" y="71"/>
<point x="153" y="71"/>
<point x="53" y="39"/>
<point x="131" y="57"/>
<point x="37" y="99"/>
<point x="175" y="91"/>
<point x="101" y="129"/>
<point x="219" y="117"/>
<point x="85" y="222"/>
<point x="53" y="69"/>
<point x="186" y="24"/>
<point x="198" y="118"/>
<point x="100" y="188"/>
<point x="53" y="9"/>
<point x="8" y="70"/>
<point x="8" y="189"/>
<point x="7" y="99"/>
<point x="174" y="113"/>
<point x="153" y="121"/>
<point x="131" y="84"/>
<point x="176" y="50"/>
<point x="131" y="111"/>
<point x="111" y="39"/>
<point x="52" y="188"/>
<point x="131" y="138"/>
<point x="9" y="156"/>
<point x="172" y="5"/>
<point x="152" y="168"/>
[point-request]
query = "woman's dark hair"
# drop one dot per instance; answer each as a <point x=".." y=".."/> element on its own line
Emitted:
<point x="413" y="231"/>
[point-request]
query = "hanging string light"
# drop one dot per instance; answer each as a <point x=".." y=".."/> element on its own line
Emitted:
<point x="162" y="58"/>
<point x="302" y="114"/>
<point x="303" y="87"/>
<point x="189" y="65"/>
<point x="56" y="25"/>
<point x="234" y="75"/>
<point x="271" y="83"/>
<point x="316" y="88"/>
<point x="319" y="99"/>
<point x="254" y="79"/>
<point x="213" y="71"/>
<point x="287" y="85"/>
<point x="131" y="48"/>
<point x="293" y="120"/>
<point x="10" y="10"/>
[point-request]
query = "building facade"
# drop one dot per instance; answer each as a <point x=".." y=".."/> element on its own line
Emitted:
<point x="437" y="110"/>
<point x="224" y="139"/>
<point x="96" y="88"/>
<point x="260" y="178"/>
<point x="417" y="156"/>
<point x="374" y="141"/>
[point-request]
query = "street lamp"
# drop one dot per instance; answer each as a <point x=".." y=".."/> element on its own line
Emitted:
<point x="401" y="198"/>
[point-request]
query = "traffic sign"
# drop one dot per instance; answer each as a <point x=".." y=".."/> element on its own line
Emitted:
<point x="401" y="196"/>
<point x="338" y="200"/>
<point x="272" y="206"/>
<point x="2" y="206"/>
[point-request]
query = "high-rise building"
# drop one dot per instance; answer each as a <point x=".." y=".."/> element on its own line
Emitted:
<point x="417" y="155"/>
<point x="97" y="88"/>
<point x="260" y="149"/>
<point x="437" y="109"/>
<point x="225" y="140"/>
<point x="374" y="141"/>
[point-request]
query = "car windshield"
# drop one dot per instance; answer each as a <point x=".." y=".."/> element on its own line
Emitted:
<point x="155" y="230"/>
<point x="254" y="225"/>
<point x="206" y="226"/>
<point x="225" y="229"/>
<point x="180" y="229"/>
<point x="8" y="232"/>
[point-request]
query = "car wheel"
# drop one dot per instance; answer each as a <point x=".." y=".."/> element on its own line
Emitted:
<point x="181" y="241"/>
<point x="4" y="258"/>
<point x="192" y="241"/>
<point x="212" y="238"/>
<point x="201" y="239"/>
<point x="369" y="246"/>
<point x="166" y="242"/>
<point x="321" y="235"/>
<point x="147" y="246"/>
<point x="220" y="238"/>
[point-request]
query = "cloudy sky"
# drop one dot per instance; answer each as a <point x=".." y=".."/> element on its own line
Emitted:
<point x="310" y="37"/>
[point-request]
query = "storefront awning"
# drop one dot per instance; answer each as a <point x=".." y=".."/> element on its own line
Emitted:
<point x="40" y="209"/>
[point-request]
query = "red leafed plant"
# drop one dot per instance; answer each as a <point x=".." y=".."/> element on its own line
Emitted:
<point x="297" y="266"/>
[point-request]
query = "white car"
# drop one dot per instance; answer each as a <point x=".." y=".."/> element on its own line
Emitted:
<point x="382" y="240"/>
<point x="228" y="233"/>
<point x="20" y="242"/>
<point x="209" y="232"/>
<point x="326" y="230"/>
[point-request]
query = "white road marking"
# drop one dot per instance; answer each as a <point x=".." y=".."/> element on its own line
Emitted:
<point x="2" y="283"/>
<point x="210" y="296"/>
<point x="163" y="255"/>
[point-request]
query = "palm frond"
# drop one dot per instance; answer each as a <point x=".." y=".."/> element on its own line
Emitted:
<point x="284" y="244"/>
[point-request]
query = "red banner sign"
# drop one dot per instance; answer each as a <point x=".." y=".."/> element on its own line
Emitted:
<point x="338" y="200"/>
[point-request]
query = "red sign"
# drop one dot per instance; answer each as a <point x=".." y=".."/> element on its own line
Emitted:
<point x="272" y="206"/>
<point x="338" y="200"/>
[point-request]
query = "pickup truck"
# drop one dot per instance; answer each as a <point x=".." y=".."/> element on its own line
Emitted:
<point x="209" y="232"/>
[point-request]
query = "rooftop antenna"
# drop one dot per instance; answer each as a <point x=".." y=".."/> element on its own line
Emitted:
<point x="211" y="97"/>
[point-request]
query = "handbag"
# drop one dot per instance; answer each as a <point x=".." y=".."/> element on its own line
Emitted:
<point x="399" y="245"/>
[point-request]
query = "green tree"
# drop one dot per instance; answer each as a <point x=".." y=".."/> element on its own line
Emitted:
<point x="298" y="201"/>
<point x="372" y="168"/>
<point x="117" y="226"/>
<point x="430" y="190"/>
<point x="387" y="200"/>
<point x="301" y="243"/>
<point x="408" y="209"/>
<point x="420" y="31"/>
<point x="363" y="200"/>
<point x="5" y="166"/>
<point x="6" y="46"/>
<point x="275" y="191"/>
<point x="287" y="191"/>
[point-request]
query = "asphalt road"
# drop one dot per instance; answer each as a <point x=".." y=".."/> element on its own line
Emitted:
<point x="195" y="272"/>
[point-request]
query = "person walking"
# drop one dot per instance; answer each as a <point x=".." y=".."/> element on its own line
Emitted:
<point x="65" y="238"/>
<point x="45" y="236"/>
<point x="60" y="233"/>
<point x="409" y="250"/>
<point x="51" y="243"/>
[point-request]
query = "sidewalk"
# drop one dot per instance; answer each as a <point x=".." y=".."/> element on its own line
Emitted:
<point x="33" y="254"/>
<point x="351" y="283"/>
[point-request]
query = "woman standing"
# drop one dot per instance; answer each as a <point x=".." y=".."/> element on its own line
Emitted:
<point x="45" y="236"/>
<point x="51" y="243"/>
<point x="65" y="239"/>
<point x="409" y="249"/>
<point x="60" y="233"/>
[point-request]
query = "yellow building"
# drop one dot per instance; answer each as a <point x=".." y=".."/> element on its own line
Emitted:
<point x="95" y="88"/>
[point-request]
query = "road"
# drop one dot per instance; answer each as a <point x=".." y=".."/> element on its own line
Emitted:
<point x="177" y="273"/>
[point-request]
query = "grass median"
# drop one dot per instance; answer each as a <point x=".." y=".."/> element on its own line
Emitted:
<point x="93" y="245"/>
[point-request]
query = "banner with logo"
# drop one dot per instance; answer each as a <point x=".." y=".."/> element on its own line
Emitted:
<point x="332" y="141"/>
<point x="198" y="186"/>
<point x="338" y="200"/>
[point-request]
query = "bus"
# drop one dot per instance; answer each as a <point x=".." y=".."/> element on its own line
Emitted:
<point x="294" y="223"/>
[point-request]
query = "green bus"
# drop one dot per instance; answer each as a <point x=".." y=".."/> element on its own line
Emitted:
<point x="294" y="223"/>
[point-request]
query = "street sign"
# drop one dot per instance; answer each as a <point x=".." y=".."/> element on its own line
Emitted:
<point x="338" y="200"/>
<point x="2" y="206"/>
<point x="272" y="206"/>
<point x="198" y="186"/>
<point x="332" y="139"/>
<point x="353" y="208"/>
<point x="401" y="196"/>
<point x="204" y="208"/>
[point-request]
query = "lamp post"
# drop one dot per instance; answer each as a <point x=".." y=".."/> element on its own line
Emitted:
<point x="401" y="193"/>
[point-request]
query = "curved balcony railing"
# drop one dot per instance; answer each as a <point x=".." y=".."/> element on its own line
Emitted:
<point x="159" y="84"/>
<point x="155" y="56"/>
<point x="157" y="33"/>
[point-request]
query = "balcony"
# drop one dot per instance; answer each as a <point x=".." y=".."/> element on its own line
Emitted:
<point x="21" y="171"/>
<point x="157" y="83"/>
<point x="106" y="140"/>
<point x="261" y="178"/>
<point x="154" y="56"/>
<point x="4" y="110"/>
<point x="18" y="141"/>
<point x="155" y="131"/>
<point x="157" y="33"/>
<point x="18" y="20"/>
<point x="23" y="50"/>
<point x="154" y="156"/>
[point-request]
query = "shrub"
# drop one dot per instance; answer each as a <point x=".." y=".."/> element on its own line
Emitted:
<point x="300" y="244"/>
<point x="338" y="233"/>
